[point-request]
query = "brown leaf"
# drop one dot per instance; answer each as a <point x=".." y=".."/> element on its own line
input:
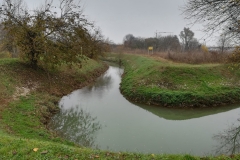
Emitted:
<point x="66" y="157"/>
<point x="35" y="149"/>
<point x="14" y="152"/>
<point x="44" y="152"/>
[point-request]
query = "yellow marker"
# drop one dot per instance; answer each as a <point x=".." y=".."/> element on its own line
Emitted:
<point x="150" y="48"/>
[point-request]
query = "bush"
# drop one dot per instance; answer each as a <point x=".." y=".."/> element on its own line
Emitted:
<point x="204" y="48"/>
<point x="5" y="55"/>
<point x="234" y="58"/>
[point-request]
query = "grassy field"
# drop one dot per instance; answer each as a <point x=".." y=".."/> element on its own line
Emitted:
<point x="29" y="98"/>
<point x="156" y="81"/>
<point x="18" y="148"/>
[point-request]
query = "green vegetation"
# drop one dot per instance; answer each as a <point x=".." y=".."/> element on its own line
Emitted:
<point x="29" y="98"/>
<point x="156" y="81"/>
<point x="186" y="113"/>
<point x="43" y="38"/>
<point x="22" y="149"/>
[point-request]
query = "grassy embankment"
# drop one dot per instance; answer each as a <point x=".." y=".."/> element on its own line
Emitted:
<point x="29" y="98"/>
<point x="156" y="81"/>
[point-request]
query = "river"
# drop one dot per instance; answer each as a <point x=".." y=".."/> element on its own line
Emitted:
<point x="98" y="116"/>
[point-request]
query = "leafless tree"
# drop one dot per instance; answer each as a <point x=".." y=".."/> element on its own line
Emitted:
<point x="229" y="140"/>
<point x="79" y="127"/>
<point x="217" y="15"/>
<point x="224" y="41"/>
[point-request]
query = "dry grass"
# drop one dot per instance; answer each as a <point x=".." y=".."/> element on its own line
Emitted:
<point x="197" y="57"/>
<point x="191" y="57"/>
<point x="5" y="54"/>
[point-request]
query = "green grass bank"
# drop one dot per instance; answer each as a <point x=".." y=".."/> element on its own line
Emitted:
<point x="23" y="149"/>
<point x="29" y="98"/>
<point x="156" y="81"/>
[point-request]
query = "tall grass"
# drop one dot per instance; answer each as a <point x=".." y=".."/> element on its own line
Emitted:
<point x="196" y="57"/>
<point x="191" y="57"/>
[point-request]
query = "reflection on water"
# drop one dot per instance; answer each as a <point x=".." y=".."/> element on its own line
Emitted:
<point x="186" y="113"/>
<point x="100" y="87"/>
<point x="75" y="121"/>
<point x="79" y="127"/>
<point x="98" y="115"/>
<point x="229" y="140"/>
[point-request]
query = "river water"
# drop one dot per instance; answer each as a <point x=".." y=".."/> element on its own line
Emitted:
<point x="98" y="116"/>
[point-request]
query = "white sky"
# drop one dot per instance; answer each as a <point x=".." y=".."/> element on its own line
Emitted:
<point x="142" y="18"/>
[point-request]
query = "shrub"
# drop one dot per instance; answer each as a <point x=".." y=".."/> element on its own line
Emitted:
<point x="5" y="55"/>
<point x="204" y="48"/>
<point x="234" y="58"/>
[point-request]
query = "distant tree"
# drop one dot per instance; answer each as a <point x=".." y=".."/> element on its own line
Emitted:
<point x="151" y="42"/>
<point x="168" y="43"/>
<point x="194" y="44"/>
<point x="140" y="43"/>
<point x="128" y="40"/>
<point x="218" y="15"/>
<point x="132" y="42"/>
<point x="51" y="35"/>
<point x="159" y="44"/>
<point x="224" y="40"/>
<point x="186" y="36"/>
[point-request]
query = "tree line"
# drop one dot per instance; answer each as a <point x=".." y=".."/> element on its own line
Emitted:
<point x="164" y="43"/>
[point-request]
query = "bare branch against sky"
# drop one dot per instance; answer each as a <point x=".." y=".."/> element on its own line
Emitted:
<point x="142" y="18"/>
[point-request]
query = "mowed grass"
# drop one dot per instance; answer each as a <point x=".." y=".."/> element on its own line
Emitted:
<point x="160" y="82"/>
<point x="23" y="149"/>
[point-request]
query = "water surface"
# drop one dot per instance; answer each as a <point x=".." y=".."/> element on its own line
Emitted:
<point x="98" y="116"/>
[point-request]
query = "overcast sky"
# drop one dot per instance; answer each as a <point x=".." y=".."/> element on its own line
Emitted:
<point x="142" y="18"/>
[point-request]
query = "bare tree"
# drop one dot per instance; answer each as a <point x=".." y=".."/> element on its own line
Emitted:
<point x="217" y="15"/>
<point x="229" y="140"/>
<point x="79" y="127"/>
<point x="186" y="36"/>
<point x="224" y="41"/>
